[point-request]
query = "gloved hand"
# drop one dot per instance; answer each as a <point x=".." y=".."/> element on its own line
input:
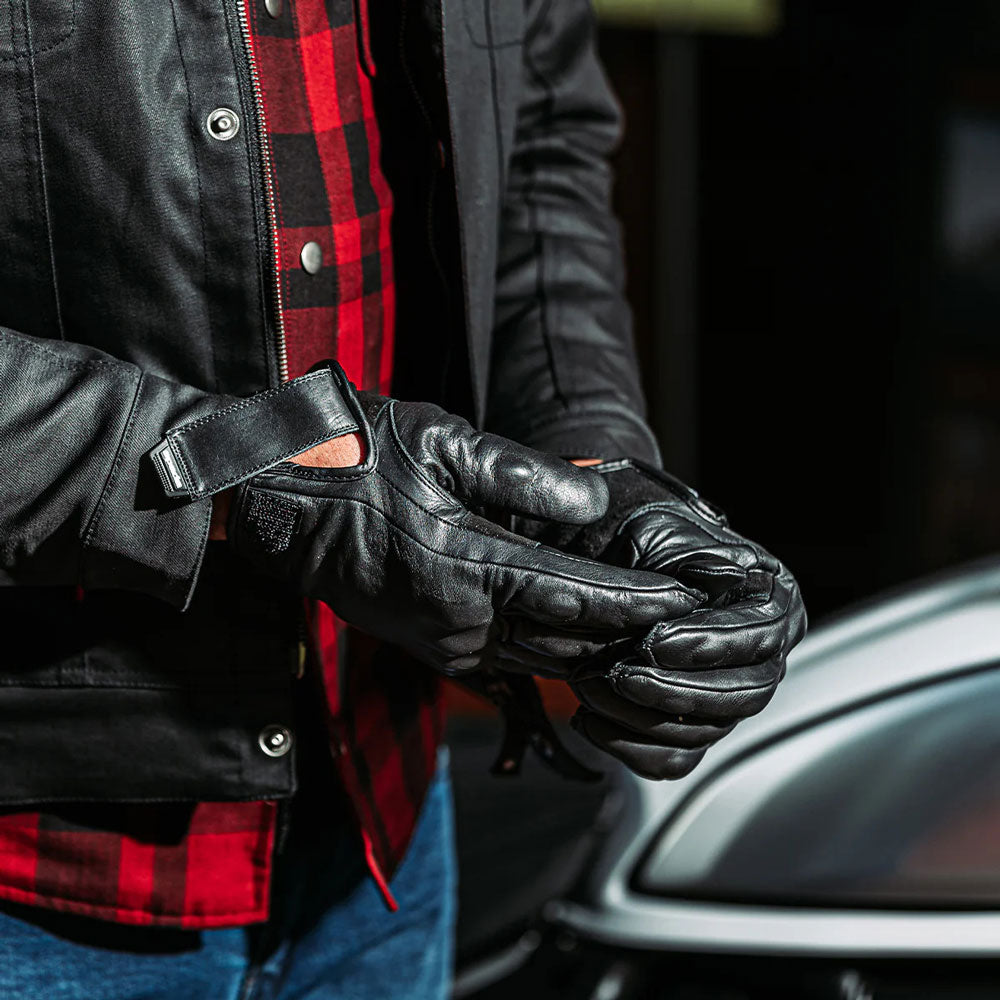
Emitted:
<point x="393" y="546"/>
<point x="659" y="704"/>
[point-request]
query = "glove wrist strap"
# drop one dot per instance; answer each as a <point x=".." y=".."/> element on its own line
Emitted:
<point x="227" y="447"/>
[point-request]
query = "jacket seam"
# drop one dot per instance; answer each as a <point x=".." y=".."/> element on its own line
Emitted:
<point x="197" y="172"/>
<point x="576" y="421"/>
<point x="23" y="115"/>
<point x="43" y="181"/>
<point x="541" y="280"/>
<point x="29" y="52"/>
<point x="95" y="518"/>
<point x="73" y="364"/>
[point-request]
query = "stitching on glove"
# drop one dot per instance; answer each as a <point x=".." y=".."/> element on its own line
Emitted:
<point x="241" y="404"/>
<point x="672" y="587"/>
<point x="622" y="673"/>
<point x="461" y="526"/>
<point x="414" y="465"/>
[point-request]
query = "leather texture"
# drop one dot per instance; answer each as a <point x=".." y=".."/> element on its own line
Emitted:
<point x="136" y="295"/>
<point x="225" y="447"/>
<point x="660" y="703"/>
<point x="562" y="374"/>
<point x="136" y="254"/>
<point x="395" y="547"/>
<point x="122" y="696"/>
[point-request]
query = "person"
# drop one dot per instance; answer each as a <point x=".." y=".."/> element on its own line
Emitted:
<point x="305" y="305"/>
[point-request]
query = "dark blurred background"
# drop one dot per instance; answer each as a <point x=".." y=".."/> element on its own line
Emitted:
<point x="811" y="198"/>
<point x="810" y="192"/>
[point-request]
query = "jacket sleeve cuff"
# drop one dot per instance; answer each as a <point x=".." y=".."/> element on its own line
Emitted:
<point x="595" y="436"/>
<point x="150" y="530"/>
<point x="136" y="541"/>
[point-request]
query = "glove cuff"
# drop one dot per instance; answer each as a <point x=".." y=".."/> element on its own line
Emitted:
<point x="634" y="483"/>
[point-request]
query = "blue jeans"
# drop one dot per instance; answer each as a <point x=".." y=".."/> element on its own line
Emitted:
<point x="330" y="934"/>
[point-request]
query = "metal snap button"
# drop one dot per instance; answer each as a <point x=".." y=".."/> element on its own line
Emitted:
<point x="273" y="7"/>
<point x="275" y="741"/>
<point x="223" y="124"/>
<point x="311" y="257"/>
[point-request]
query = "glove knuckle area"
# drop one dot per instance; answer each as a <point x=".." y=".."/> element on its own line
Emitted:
<point x="669" y="531"/>
<point x="646" y="608"/>
<point x="726" y="694"/>
<point x="669" y="730"/>
<point x="787" y="586"/>
<point x="710" y="637"/>
<point x="523" y="634"/>
<point x="465" y="650"/>
<point x="596" y="597"/>
<point x="549" y="598"/>
<point x="648" y="759"/>
<point x="521" y="646"/>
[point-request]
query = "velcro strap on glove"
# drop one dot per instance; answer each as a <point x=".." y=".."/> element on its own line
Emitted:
<point x="217" y="451"/>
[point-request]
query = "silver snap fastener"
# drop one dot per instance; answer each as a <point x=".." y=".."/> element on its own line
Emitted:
<point x="275" y="741"/>
<point x="223" y="123"/>
<point x="311" y="257"/>
<point x="273" y="7"/>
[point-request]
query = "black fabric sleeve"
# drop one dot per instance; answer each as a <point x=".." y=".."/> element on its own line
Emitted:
<point x="80" y="499"/>
<point x="564" y="373"/>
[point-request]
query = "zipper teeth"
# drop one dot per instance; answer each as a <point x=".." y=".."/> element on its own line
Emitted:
<point x="269" y="198"/>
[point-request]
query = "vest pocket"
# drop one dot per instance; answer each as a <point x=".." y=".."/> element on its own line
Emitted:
<point x="34" y="26"/>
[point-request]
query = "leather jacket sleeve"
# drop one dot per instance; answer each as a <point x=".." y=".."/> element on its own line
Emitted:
<point x="564" y="375"/>
<point x="81" y="502"/>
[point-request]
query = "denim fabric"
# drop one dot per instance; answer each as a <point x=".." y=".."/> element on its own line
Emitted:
<point x="330" y="934"/>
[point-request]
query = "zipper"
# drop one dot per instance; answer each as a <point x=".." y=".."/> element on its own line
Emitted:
<point x="269" y="196"/>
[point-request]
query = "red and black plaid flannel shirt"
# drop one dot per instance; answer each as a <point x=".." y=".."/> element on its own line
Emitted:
<point x="209" y="864"/>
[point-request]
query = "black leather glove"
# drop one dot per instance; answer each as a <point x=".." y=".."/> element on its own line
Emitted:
<point x="394" y="548"/>
<point x="659" y="704"/>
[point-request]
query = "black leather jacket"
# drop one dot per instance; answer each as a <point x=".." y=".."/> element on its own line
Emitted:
<point x="135" y="293"/>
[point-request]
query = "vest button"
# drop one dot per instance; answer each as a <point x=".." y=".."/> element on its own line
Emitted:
<point x="275" y="741"/>
<point x="223" y="124"/>
<point x="273" y="7"/>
